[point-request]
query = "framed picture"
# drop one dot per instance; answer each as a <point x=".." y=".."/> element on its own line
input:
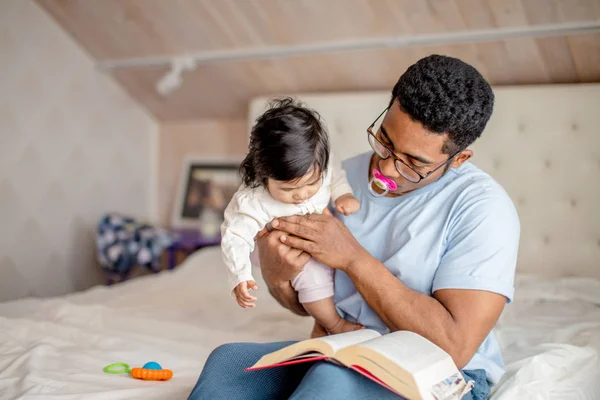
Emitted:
<point x="206" y="186"/>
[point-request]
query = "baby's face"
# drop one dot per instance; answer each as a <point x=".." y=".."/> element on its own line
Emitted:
<point x="296" y="191"/>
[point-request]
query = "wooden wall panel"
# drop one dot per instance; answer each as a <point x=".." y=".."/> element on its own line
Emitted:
<point x="117" y="29"/>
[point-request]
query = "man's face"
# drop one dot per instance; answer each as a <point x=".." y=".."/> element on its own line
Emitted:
<point x="416" y="146"/>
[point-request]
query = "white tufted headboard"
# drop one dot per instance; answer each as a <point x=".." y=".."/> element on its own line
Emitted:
<point x="542" y="144"/>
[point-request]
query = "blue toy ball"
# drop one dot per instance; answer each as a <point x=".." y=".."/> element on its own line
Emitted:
<point x="152" y="365"/>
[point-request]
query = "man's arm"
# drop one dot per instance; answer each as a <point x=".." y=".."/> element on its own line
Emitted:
<point x="279" y="265"/>
<point x="456" y="320"/>
<point x="287" y="297"/>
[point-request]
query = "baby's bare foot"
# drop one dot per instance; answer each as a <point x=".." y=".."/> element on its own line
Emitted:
<point x="318" y="331"/>
<point x="342" y="326"/>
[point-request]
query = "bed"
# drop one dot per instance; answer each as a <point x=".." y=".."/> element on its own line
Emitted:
<point x="56" y="348"/>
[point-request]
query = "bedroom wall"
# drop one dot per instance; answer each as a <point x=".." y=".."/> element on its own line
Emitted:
<point x="182" y="139"/>
<point x="73" y="145"/>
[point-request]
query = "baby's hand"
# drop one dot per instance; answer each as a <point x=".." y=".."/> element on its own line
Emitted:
<point x="347" y="204"/>
<point x="242" y="294"/>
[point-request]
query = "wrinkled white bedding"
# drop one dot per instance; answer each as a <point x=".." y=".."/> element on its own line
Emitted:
<point x="56" y="348"/>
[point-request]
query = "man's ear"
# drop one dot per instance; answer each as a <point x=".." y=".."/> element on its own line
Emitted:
<point x="461" y="158"/>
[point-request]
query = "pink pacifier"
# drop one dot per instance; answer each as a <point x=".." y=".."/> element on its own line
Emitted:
<point x="383" y="183"/>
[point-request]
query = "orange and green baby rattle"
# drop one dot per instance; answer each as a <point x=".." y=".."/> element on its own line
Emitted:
<point x="151" y="371"/>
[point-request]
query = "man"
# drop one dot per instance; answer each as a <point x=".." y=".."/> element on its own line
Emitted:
<point x="436" y="255"/>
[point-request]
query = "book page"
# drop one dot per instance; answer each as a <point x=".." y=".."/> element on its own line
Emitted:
<point x="410" y="351"/>
<point x="325" y="346"/>
<point x="404" y="361"/>
<point x="312" y="354"/>
<point x="342" y="340"/>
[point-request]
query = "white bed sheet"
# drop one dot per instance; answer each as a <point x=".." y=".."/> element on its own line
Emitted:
<point x="56" y="348"/>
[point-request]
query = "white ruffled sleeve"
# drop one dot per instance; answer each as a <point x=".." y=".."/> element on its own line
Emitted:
<point x="244" y="218"/>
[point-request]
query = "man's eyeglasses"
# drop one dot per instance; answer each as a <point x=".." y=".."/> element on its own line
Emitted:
<point x="403" y="169"/>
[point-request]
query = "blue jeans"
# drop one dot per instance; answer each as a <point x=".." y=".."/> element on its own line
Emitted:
<point x="223" y="378"/>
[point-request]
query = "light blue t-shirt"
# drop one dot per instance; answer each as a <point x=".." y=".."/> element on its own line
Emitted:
<point x="460" y="232"/>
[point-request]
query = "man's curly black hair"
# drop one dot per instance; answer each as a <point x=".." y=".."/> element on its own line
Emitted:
<point x="286" y="142"/>
<point x="446" y="95"/>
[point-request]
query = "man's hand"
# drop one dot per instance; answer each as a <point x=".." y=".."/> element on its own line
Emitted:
<point x="323" y="236"/>
<point x="280" y="264"/>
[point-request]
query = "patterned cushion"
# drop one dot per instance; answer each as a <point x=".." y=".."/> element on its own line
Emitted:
<point x="123" y="242"/>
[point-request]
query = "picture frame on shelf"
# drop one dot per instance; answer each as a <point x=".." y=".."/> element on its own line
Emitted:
<point x="206" y="186"/>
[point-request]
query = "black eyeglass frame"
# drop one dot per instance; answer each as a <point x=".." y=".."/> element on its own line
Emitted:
<point x="397" y="159"/>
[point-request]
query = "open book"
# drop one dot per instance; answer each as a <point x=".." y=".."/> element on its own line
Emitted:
<point x="403" y="362"/>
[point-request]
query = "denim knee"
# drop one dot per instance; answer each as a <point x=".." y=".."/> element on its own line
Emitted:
<point x="224" y="350"/>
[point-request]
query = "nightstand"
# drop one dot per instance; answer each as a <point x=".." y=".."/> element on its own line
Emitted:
<point x="188" y="241"/>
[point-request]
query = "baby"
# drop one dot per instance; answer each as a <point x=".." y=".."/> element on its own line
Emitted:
<point x="288" y="171"/>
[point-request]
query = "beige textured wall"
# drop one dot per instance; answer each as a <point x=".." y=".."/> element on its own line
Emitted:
<point x="179" y="140"/>
<point x="73" y="145"/>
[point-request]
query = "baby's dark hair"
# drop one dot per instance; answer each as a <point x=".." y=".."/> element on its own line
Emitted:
<point x="286" y="142"/>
